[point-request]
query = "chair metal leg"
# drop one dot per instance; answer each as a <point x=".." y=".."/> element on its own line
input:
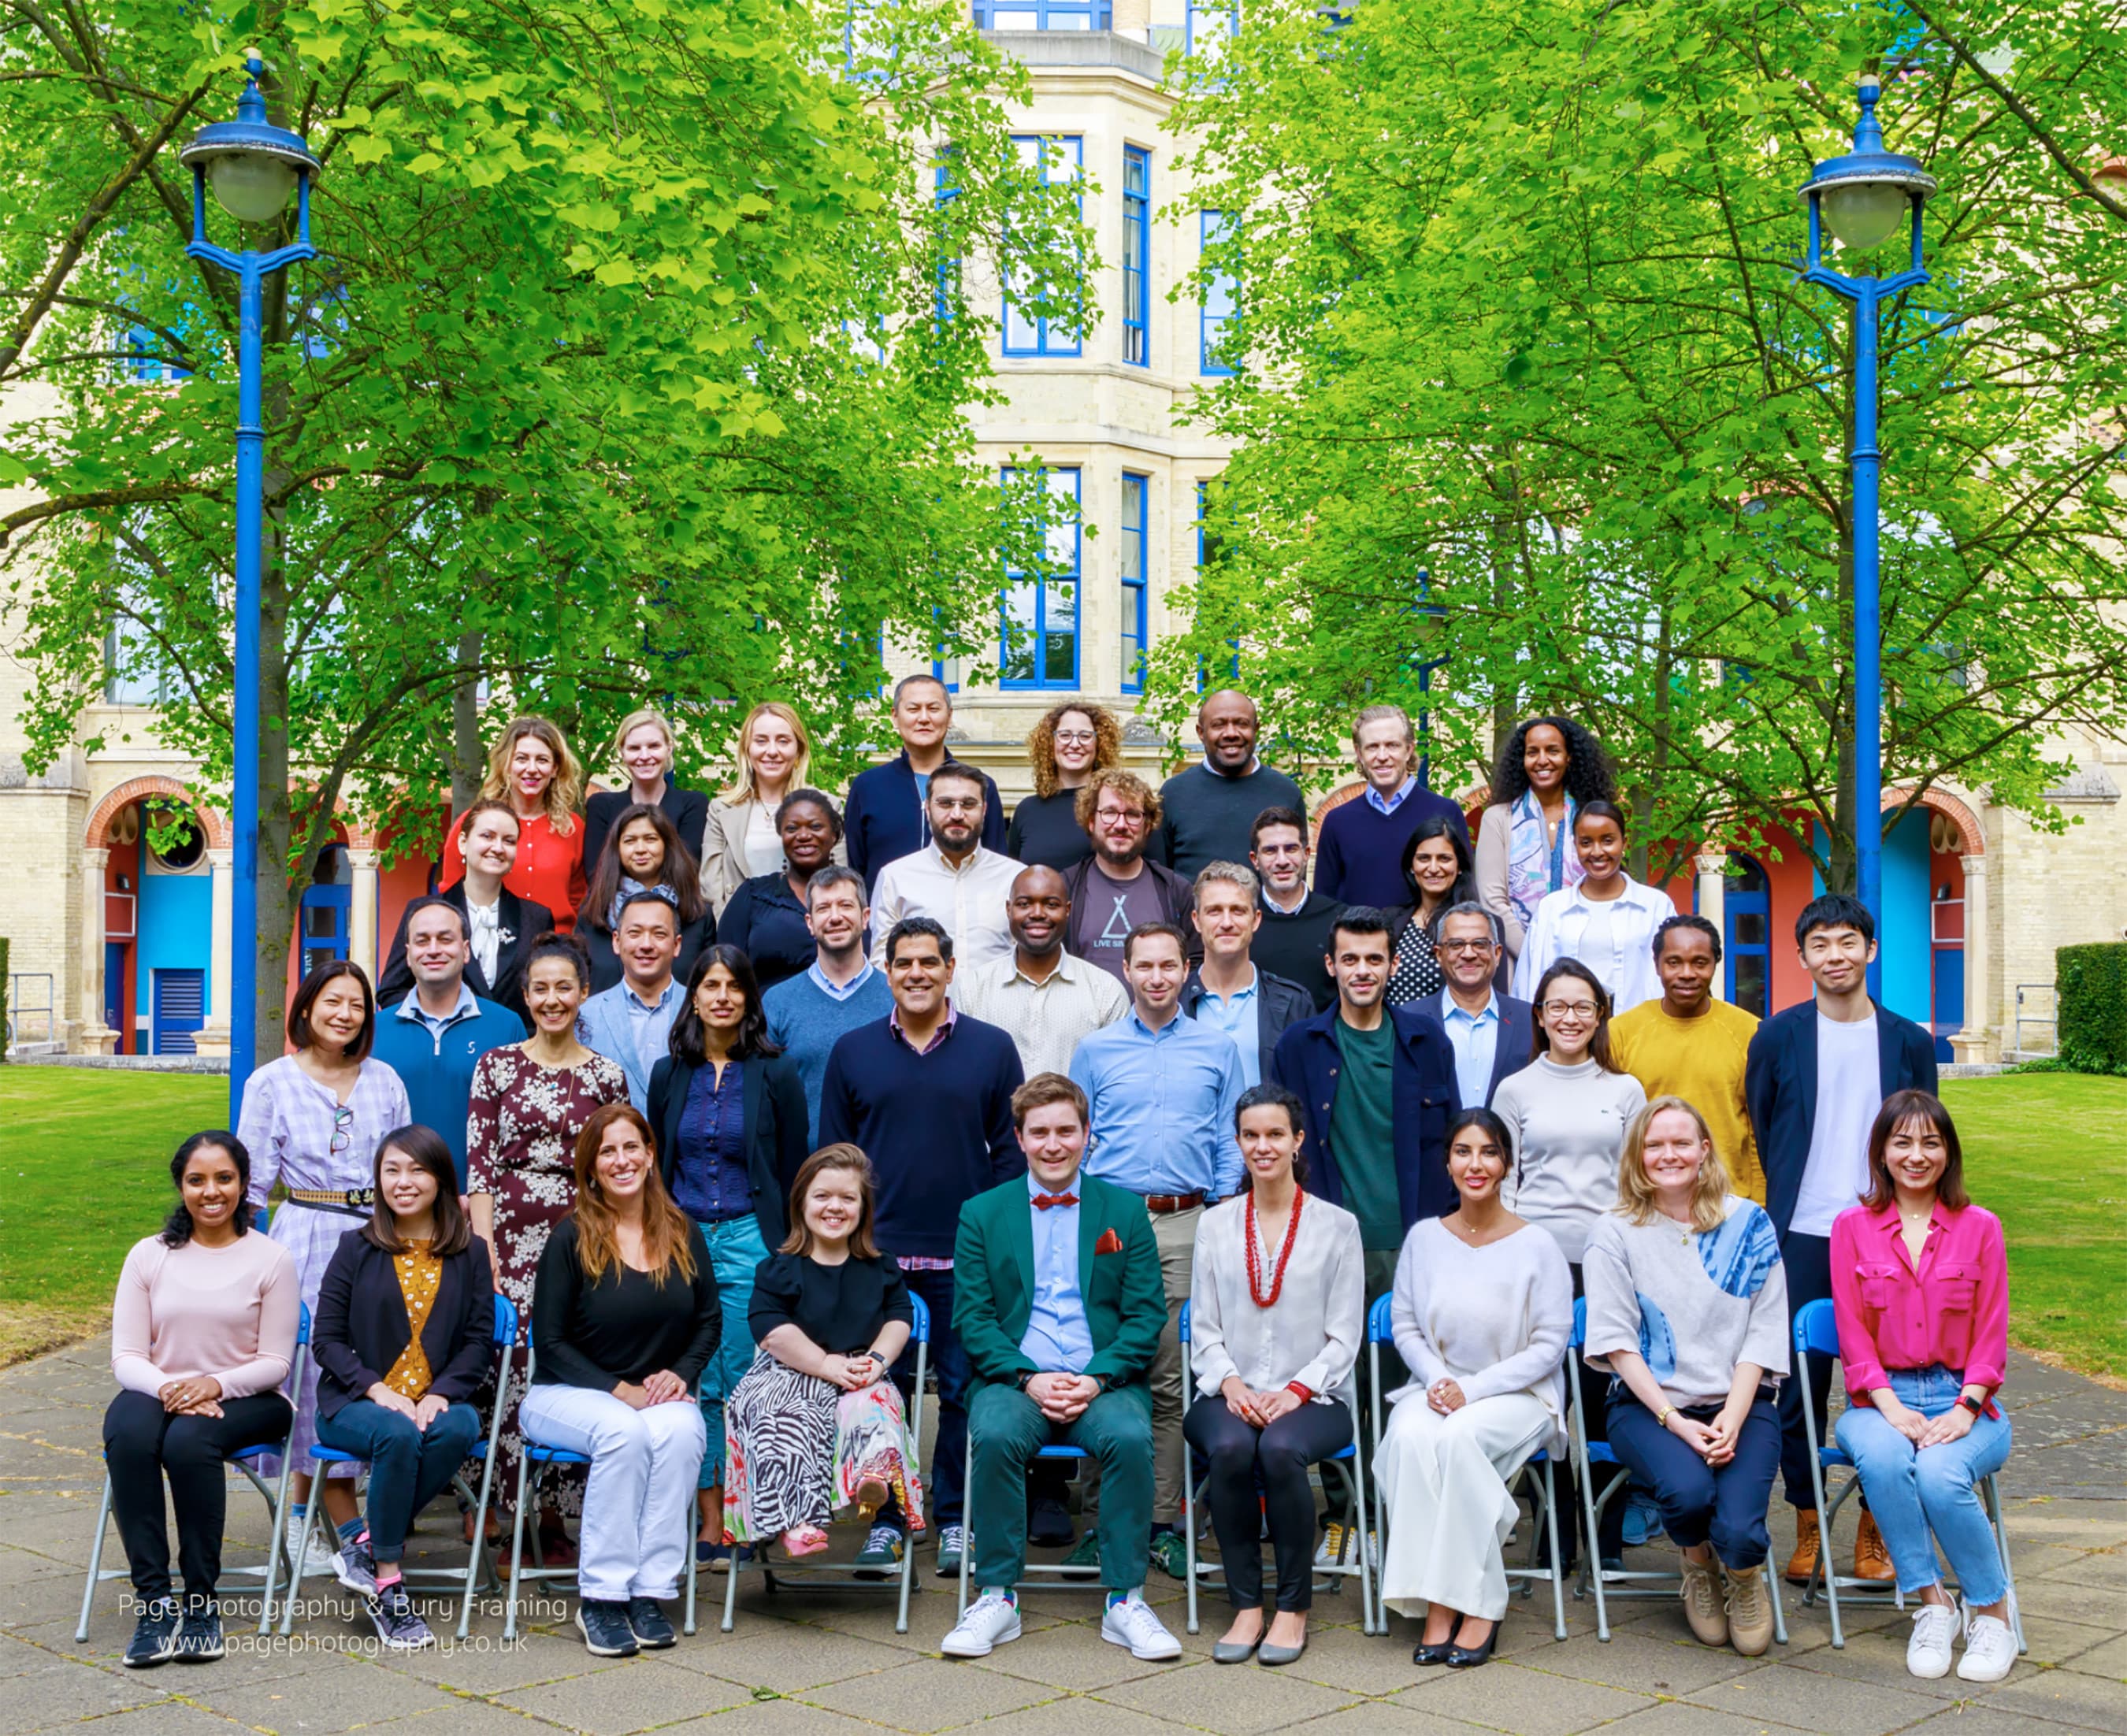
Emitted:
<point x="1557" y="1560"/>
<point x="1779" y="1614"/>
<point x="1824" y="1514"/>
<point x="1990" y="1493"/>
<point x="908" y="1520"/>
<point x="517" y="1545"/>
<point x="690" y="1564"/>
<point x="1189" y="1517"/>
<point x="311" y="1514"/>
<point x="481" y="1552"/>
<point x="731" y="1591"/>
<point x="1591" y="1563"/>
<point x="1369" y="1597"/>
<point x="277" y="1508"/>
<point x="95" y="1562"/>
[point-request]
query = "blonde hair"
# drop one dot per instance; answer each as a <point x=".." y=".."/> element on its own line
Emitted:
<point x="564" y="793"/>
<point x="741" y="788"/>
<point x="1636" y="1194"/>
<point x="1041" y="743"/>
<point x="630" y="724"/>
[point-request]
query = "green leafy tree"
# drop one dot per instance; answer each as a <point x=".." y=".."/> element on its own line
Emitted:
<point x="1533" y="383"/>
<point x="634" y="366"/>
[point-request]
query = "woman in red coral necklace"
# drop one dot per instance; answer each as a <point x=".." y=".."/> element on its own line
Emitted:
<point x="1276" y="1316"/>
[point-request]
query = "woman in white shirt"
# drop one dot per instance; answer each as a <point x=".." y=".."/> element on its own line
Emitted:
<point x="1608" y="921"/>
<point x="740" y="841"/>
<point x="1277" y="1315"/>
<point x="1482" y="1310"/>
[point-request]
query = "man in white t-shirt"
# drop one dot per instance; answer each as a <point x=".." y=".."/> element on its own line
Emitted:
<point x="1816" y="1076"/>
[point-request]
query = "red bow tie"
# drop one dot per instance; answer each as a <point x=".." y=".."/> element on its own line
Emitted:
<point x="1044" y="1201"/>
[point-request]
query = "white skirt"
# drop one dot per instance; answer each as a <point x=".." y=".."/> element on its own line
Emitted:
<point x="1444" y="1479"/>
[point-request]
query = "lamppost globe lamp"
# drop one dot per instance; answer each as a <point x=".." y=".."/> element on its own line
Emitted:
<point x="253" y="166"/>
<point x="1864" y="196"/>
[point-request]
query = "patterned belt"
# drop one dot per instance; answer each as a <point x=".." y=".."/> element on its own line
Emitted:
<point x="352" y="1202"/>
<point x="1164" y="1203"/>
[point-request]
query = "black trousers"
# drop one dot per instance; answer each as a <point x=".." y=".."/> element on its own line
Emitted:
<point x="1236" y="1454"/>
<point x="1808" y="1262"/>
<point x="143" y="1444"/>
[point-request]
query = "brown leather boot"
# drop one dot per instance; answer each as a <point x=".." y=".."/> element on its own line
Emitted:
<point x="1872" y="1561"/>
<point x="1803" y="1562"/>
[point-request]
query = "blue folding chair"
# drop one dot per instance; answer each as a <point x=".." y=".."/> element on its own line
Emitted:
<point x="1817" y="1334"/>
<point x="1534" y="1481"/>
<point x="538" y="1457"/>
<point x="243" y="1459"/>
<point x="1630" y="1582"/>
<point x="481" y="1560"/>
<point x="1346" y="1462"/>
<point x="831" y="1576"/>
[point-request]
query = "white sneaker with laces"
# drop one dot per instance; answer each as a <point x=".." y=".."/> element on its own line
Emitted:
<point x="1131" y="1623"/>
<point x="317" y="1557"/>
<point x="1990" y="1650"/>
<point x="992" y="1620"/>
<point x="1927" y="1653"/>
<point x="1330" y="1552"/>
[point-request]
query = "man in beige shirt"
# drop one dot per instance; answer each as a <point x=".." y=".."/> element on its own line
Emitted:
<point x="1039" y="995"/>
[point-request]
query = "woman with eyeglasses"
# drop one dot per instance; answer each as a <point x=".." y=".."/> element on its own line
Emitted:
<point x="1567" y="1113"/>
<point x="1073" y="741"/>
<point x="312" y="1121"/>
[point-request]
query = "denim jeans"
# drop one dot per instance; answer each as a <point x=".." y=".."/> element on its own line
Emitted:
<point x="736" y="1251"/>
<point x="408" y="1466"/>
<point x="1723" y="1505"/>
<point x="1923" y="1498"/>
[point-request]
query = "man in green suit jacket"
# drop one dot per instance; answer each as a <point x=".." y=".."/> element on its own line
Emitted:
<point x="1058" y="1305"/>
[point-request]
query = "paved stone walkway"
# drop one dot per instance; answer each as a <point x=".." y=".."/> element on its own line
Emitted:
<point x="832" y="1662"/>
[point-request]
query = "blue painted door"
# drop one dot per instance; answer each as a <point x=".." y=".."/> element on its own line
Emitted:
<point x="179" y="1006"/>
<point x="326" y="911"/>
<point x="1747" y="915"/>
<point x="1948" y="998"/>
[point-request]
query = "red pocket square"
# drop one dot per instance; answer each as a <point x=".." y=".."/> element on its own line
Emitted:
<point x="1109" y="1243"/>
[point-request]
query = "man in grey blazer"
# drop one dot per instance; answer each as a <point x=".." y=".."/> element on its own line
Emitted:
<point x="1492" y="1034"/>
<point x="631" y="1022"/>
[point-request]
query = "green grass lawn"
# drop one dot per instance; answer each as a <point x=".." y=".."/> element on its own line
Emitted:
<point x="83" y="1176"/>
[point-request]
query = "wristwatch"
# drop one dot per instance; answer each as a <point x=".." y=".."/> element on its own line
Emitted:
<point x="1026" y="1377"/>
<point x="1978" y="1406"/>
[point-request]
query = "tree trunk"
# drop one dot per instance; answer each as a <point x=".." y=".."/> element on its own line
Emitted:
<point x="468" y="757"/>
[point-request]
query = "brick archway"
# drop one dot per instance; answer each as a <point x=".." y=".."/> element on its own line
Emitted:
<point x="1971" y="840"/>
<point x="141" y="789"/>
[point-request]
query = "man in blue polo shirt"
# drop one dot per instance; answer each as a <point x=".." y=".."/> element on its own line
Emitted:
<point x="435" y="1038"/>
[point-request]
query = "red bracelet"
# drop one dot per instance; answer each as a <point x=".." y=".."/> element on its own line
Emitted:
<point x="1304" y="1394"/>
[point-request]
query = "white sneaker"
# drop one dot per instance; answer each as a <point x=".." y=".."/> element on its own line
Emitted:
<point x="1131" y="1623"/>
<point x="992" y="1620"/>
<point x="1927" y="1653"/>
<point x="1329" y="1553"/>
<point x="1990" y="1650"/>
<point x="317" y="1557"/>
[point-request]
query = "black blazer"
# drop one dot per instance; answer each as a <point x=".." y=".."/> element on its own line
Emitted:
<point x="1779" y="1090"/>
<point x="1513" y="1051"/>
<point x="688" y="810"/>
<point x="360" y="1327"/>
<point x="777" y="1132"/>
<point x="1280" y="1006"/>
<point x="523" y="923"/>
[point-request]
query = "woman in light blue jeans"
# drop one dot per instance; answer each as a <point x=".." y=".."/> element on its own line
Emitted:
<point x="730" y="1117"/>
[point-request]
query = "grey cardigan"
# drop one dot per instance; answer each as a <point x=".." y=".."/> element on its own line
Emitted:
<point x="1315" y="1333"/>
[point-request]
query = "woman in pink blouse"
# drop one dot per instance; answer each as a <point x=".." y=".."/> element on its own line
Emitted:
<point x="1920" y="1281"/>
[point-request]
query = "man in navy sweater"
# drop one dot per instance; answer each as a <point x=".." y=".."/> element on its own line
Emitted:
<point x="926" y="1094"/>
<point x="441" y="1028"/>
<point x="883" y="818"/>
<point x="1360" y="853"/>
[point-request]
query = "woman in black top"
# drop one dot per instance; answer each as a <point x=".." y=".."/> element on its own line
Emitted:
<point x="404" y="1335"/>
<point x="816" y="1423"/>
<point x="765" y="918"/>
<point x="1072" y="742"/>
<point x="643" y="850"/>
<point x="1437" y="870"/>
<point x="627" y="1318"/>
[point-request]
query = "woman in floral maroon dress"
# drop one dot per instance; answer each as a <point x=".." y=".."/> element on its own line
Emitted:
<point x="530" y="1099"/>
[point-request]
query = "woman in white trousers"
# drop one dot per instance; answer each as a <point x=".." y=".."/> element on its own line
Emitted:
<point x="1483" y="1307"/>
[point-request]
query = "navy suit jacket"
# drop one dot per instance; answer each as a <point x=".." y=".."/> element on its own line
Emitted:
<point x="1423" y="1100"/>
<point x="883" y="818"/>
<point x="361" y="1328"/>
<point x="1779" y="1090"/>
<point x="1514" y="1050"/>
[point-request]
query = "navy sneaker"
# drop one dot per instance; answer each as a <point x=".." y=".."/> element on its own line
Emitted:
<point x="356" y="1568"/>
<point x="606" y="1629"/>
<point x="154" y="1635"/>
<point x="647" y="1622"/>
<point x="199" y="1639"/>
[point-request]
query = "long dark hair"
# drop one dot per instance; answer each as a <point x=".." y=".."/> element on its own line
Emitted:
<point x="178" y="1227"/>
<point x="1911" y="1106"/>
<point x="680" y="872"/>
<point x="1491" y="1126"/>
<point x="1588" y="777"/>
<point x="687" y="1042"/>
<point x="1599" y="1045"/>
<point x="1465" y="889"/>
<point x="449" y="1230"/>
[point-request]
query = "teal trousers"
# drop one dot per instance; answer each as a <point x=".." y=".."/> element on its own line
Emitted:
<point x="1006" y="1429"/>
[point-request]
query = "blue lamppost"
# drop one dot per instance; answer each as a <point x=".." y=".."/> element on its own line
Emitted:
<point x="1862" y="197"/>
<point x="253" y="166"/>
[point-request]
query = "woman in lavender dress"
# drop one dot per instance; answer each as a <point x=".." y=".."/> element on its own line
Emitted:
<point x="312" y="1121"/>
<point x="530" y="1100"/>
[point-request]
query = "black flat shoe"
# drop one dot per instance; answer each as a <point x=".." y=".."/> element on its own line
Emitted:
<point x="1468" y="1656"/>
<point x="1430" y="1655"/>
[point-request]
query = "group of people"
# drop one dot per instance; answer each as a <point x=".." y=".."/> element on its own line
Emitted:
<point x="715" y="1090"/>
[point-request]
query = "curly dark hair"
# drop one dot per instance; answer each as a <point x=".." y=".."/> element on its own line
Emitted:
<point x="1041" y="741"/>
<point x="1587" y="776"/>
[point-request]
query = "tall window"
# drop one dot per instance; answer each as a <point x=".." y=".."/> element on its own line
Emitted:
<point x="1209" y="549"/>
<point x="1137" y="255"/>
<point x="1211" y="24"/>
<point x="1136" y="615"/>
<point x="1044" y="15"/>
<point x="944" y="190"/>
<point x="1220" y="314"/>
<point x="1057" y="160"/>
<point x="1040" y="625"/>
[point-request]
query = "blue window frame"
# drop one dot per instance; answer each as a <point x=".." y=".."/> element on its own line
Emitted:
<point x="1220" y="314"/>
<point x="944" y="661"/>
<point x="1033" y="334"/>
<point x="1044" y="15"/>
<point x="1137" y="615"/>
<point x="1038" y="640"/>
<point x="944" y="191"/>
<point x="1137" y="255"/>
<point x="1211" y="24"/>
<point x="1207" y="555"/>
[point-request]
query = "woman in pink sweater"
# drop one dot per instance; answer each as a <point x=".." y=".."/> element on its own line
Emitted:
<point x="202" y="1332"/>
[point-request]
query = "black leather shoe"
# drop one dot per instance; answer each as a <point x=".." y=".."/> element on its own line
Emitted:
<point x="1428" y="1655"/>
<point x="1469" y="1656"/>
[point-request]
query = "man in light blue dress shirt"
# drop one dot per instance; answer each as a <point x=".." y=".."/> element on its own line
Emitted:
<point x="631" y="1022"/>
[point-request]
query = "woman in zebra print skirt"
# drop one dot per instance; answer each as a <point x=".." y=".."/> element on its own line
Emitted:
<point x="815" y="1424"/>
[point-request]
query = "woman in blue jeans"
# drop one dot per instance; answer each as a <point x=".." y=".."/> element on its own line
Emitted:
<point x="1919" y="1283"/>
<point x="402" y="1337"/>
<point x="728" y="1112"/>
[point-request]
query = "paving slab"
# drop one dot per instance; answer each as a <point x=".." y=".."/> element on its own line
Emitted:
<point x="2065" y="1697"/>
<point x="643" y="1694"/>
<point x="1812" y="1700"/>
<point x="929" y="1694"/>
<point x="785" y="1657"/>
<point x="1506" y="1695"/>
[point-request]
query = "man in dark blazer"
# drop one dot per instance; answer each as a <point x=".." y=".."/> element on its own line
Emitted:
<point x="1492" y="1035"/>
<point x="884" y="817"/>
<point x="1244" y="1001"/>
<point x="1815" y="1076"/>
<point x="520" y="921"/>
